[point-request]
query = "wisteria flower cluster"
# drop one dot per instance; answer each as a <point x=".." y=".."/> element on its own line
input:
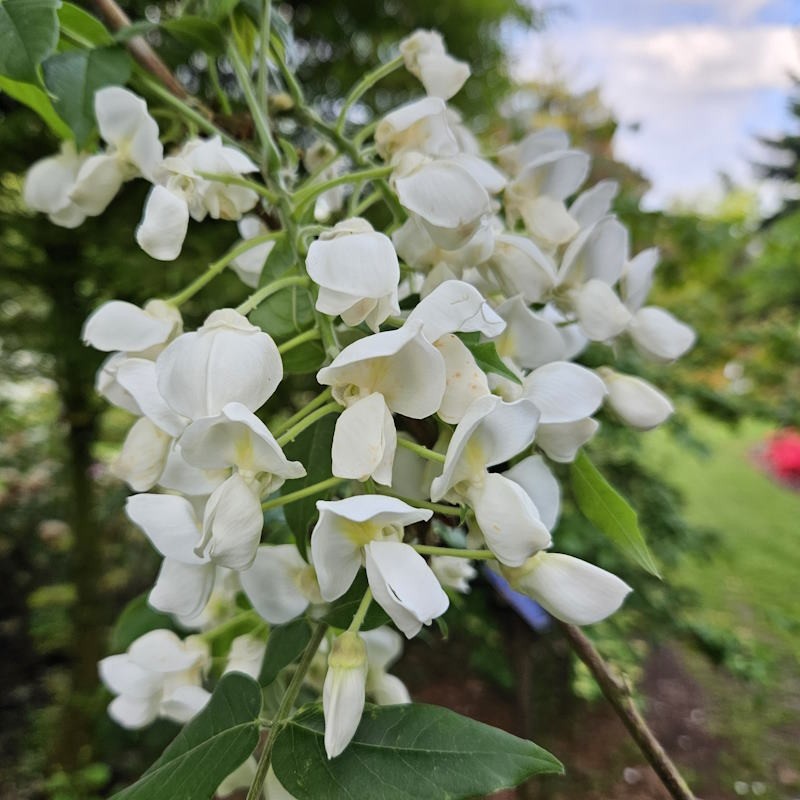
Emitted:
<point x="449" y="341"/>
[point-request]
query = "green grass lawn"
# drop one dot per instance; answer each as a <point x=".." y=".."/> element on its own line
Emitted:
<point x="752" y="583"/>
<point x="750" y="588"/>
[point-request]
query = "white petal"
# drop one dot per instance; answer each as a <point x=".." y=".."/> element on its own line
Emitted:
<point x="598" y="252"/>
<point x="343" y="695"/>
<point x="384" y="647"/>
<point x="133" y="713"/>
<point x="564" y="392"/>
<point x="143" y="456"/>
<point x="237" y="437"/>
<point x="402" y="365"/>
<point x="232" y="524"/>
<point x="226" y="360"/>
<point x="48" y="184"/>
<point x="555" y="174"/>
<point x="455" y="306"/>
<point x="592" y="205"/>
<point x="548" y="220"/>
<point x="169" y="522"/>
<point x="562" y="440"/>
<point x="163" y="651"/>
<point x="121" y="675"/>
<point x="180" y="476"/>
<point x="404" y="585"/>
<point x="387" y="690"/>
<point x="572" y="590"/>
<point x="182" y="589"/>
<point x="491" y="431"/>
<point x="164" y="224"/>
<point x="336" y="558"/>
<point x="529" y="339"/>
<point x="601" y="314"/>
<point x="636" y="402"/>
<point x="466" y="381"/>
<point x="535" y="477"/>
<point x="138" y="377"/>
<point x="638" y="278"/>
<point x="246" y="655"/>
<point x="509" y="520"/>
<point x="124" y="122"/>
<point x="483" y="171"/>
<point x="118" y="325"/>
<point x="533" y="146"/>
<point x="364" y="441"/>
<point x="97" y="183"/>
<point x="271" y="583"/>
<point x="184" y="703"/>
<point x="106" y="385"/>
<point x="442" y="75"/>
<point x="420" y="126"/>
<point x="659" y="335"/>
<point x="520" y="267"/>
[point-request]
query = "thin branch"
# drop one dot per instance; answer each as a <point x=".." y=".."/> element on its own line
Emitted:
<point x="617" y="693"/>
<point x="117" y="19"/>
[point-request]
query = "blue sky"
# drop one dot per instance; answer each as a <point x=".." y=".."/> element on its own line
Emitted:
<point x="700" y="77"/>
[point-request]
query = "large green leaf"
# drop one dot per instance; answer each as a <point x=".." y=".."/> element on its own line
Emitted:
<point x="136" y="619"/>
<point x="83" y="27"/>
<point x="38" y="101"/>
<point x="609" y="511"/>
<point x="28" y="34"/>
<point x="312" y="448"/>
<point x="208" y="748"/>
<point x="408" y="752"/>
<point x="284" y="645"/>
<point x="74" y="77"/>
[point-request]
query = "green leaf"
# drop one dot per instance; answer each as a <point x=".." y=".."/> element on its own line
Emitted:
<point x="208" y="748"/>
<point x="312" y="448"/>
<point x="74" y="77"/>
<point x="284" y="645"/>
<point x="82" y="26"/>
<point x="486" y="356"/>
<point x="343" y="610"/>
<point x="136" y="619"/>
<point x="407" y="752"/>
<point x="196" y="32"/>
<point x="28" y="34"/>
<point x="38" y="101"/>
<point x="602" y="505"/>
<point x="307" y="357"/>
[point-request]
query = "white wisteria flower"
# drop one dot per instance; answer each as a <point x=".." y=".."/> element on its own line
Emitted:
<point x="420" y="126"/>
<point x="384" y="647"/>
<point x="181" y="192"/>
<point x="491" y="432"/>
<point x="453" y="572"/>
<point x="635" y="401"/>
<point x="369" y="529"/>
<point x="249" y="265"/>
<point x="570" y="589"/>
<point x="357" y="272"/>
<point x="279" y="584"/>
<point x="344" y="691"/>
<point x="159" y="676"/>
<point x="246" y="655"/>
<point x="118" y="325"/>
<point x="226" y="360"/>
<point x="49" y="183"/>
<point x="426" y="58"/>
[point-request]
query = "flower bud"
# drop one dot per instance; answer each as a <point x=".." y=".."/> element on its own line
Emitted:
<point x="344" y="691"/>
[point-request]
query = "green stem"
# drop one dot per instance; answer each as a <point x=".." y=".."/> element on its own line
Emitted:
<point x="306" y="422"/>
<point x="287" y="703"/>
<point x="300" y="494"/>
<point x="296" y="341"/>
<point x="361" y="612"/>
<point x="421" y="450"/>
<point x="365" y="133"/>
<point x="438" y="508"/>
<point x="230" y="625"/>
<point x="431" y="550"/>
<point x="263" y="52"/>
<point x="213" y="74"/>
<point x="237" y="180"/>
<point x="264" y="292"/>
<point x="270" y="157"/>
<point x="366" y="203"/>
<point x="364" y="85"/>
<point x="318" y="401"/>
<point x="218" y="266"/>
<point x="305" y="195"/>
<point x="202" y="122"/>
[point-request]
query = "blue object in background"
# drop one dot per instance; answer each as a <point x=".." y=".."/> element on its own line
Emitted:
<point x="536" y="617"/>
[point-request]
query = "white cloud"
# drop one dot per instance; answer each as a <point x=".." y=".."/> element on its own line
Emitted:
<point x="700" y="92"/>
